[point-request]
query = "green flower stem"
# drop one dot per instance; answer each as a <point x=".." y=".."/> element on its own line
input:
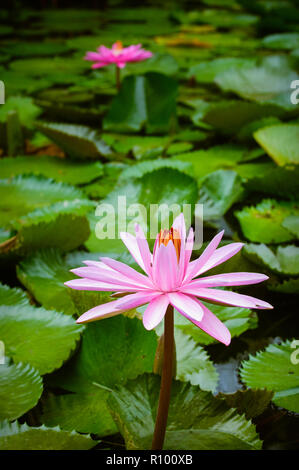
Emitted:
<point x="117" y="76"/>
<point x="166" y="380"/>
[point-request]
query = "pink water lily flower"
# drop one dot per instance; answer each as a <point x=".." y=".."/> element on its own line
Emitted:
<point x="170" y="278"/>
<point x="117" y="55"/>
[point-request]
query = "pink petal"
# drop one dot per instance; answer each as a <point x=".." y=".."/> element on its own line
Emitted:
<point x="228" y="279"/>
<point x="180" y="226"/>
<point x="187" y="254"/>
<point x="89" y="284"/>
<point x="132" y="246"/>
<point x="143" y="248"/>
<point x="225" y="297"/>
<point x="99" y="65"/>
<point x="195" y="266"/>
<point x="126" y="270"/>
<point x="220" y="256"/>
<point x="165" y="268"/>
<point x="103" y="275"/>
<point x="212" y="326"/>
<point x="117" y="306"/>
<point x="155" y="312"/>
<point x="186" y="305"/>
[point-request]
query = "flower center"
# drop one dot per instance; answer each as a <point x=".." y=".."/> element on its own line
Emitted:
<point x="166" y="235"/>
<point x="117" y="48"/>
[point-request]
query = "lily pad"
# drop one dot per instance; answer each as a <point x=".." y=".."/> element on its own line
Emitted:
<point x="196" y="419"/>
<point x="77" y="141"/>
<point x="58" y="169"/>
<point x="283" y="379"/>
<point x="263" y="223"/>
<point x="42" y="338"/>
<point x="112" y="351"/>
<point x="144" y="101"/>
<point x="218" y="192"/>
<point x="279" y="142"/>
<point x="20" y="389"/>
<point x="22" y="437"/>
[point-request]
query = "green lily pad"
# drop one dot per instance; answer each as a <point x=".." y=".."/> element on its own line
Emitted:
<point x="22" y="437"/>
<point x="49" y="227"/>
<point x="27" y="110"/>
<point x="121" y="339"/>
<point x="283" y="379"/>
<point x="112" y="351"/>
<point x="218" y="192"/>
<point x="224" y="157"/>
<point x="32" y="49"/>
<point x="175" y="188"/>
<point x="250" y="402"/>
<point x="23" y="194"/>
<point x="193" y="363"/>
<point x="84" y="412"/>
<point x="284" y="41"/>
<point x="230" y="116"/>
<point x="205" y="72"/>
<point x="264" y="82"/>
<point x="284" y="261"/>
<point x="58" y="169"/>
<point x="196" y="419"/>
<point x="263" y="223"/>
<point x="12" y="296"/>
<point x="143" y="101"/>
<point x="42" y="338"/>
<point x="279" y="141"/>
<point x="20" y="389"/>
<point x="77" y="141"/>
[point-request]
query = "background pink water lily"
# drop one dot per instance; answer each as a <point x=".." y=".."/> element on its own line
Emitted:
<point x="117" y="55"/>
<point x="170" y="278"/>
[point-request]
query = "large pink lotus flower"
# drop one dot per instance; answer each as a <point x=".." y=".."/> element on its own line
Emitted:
<point x="170" y="278"/>
<point x="117" y="55"/>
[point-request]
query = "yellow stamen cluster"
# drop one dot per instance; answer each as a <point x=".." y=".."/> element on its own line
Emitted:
<point x="166" y="235"/>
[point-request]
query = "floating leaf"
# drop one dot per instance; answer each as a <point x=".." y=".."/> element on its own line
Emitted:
<point x="176" y="188"/>
<point x="263" y="223"/>
<point x="279" y="142"/>
<point x="39" y="337"/>
<point x="84" y="412"/>
<point x="250" y="402"/>
<point x="77" y="141"/>
<point x="193" y="363"/>
<point x="205" y="72"/>
<point x="283" y="379"/>
<point x="23" y="194"/>
<point x="20" y="389"/>
<point x="59" y="169"/>
<point x="265" y="82"/>
<point x="25" y="107"/>
<point x="231" y="116"/>
<point x="113" y="351"/>
<point x="22" y="437"/>
<point x="218" y="192"/>
<point x="12" y="296"/>
<point x="148" y="100"/>
<point x="50" y="227"/>
<point x="285" y="41"/>
<point x="284" y="261"/>
<point x="196" y="420"/>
